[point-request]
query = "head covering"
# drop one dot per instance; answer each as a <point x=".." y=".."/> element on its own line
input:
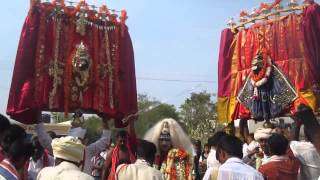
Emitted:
<point x="178" y="137"/>
<point x="263" y="133"/>
<point x="68" y="148"/>
<point x="165" y="131"/>
<point x="77" y="132"/>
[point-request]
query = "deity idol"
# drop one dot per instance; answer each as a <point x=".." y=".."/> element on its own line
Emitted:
<point x="267" y="91"/>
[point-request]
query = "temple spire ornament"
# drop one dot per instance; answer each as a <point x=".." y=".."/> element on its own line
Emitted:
<point x="292" y="4"/>
<point x="82" y="18"/>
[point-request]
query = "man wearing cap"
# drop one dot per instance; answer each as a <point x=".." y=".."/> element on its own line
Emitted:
<point x="68" y="153"/>
<point x="90" y="151"/>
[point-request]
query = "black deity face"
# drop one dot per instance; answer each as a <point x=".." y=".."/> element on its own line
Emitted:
<point x="81" y="63"/>
<point x="165" y="144"/>
<point x="256" y="64"/>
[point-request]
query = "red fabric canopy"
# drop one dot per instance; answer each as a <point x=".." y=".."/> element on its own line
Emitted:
<point x="293" y="45"/>
<point x="46" y="78"/>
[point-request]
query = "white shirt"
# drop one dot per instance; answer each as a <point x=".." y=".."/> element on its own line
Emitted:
<point x="212" y="163"/>
<point x="140" y="170"/>
<point x="90" y="150"/>
<point x="63" y="171"/>
<point x="235" y="169"/>
<point x="211" y="160"/>
<point x="309" y="159"/>
<point x="35" y="167"/>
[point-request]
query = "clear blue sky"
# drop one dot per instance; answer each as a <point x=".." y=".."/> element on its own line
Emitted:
<point x="172" y="39"/>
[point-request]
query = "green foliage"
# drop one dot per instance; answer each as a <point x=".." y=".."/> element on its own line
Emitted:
<point x="198" y="114"/>
<point x="152" y="111"/>
<point x="94" y="128"/>
<point x="59" y="117"/>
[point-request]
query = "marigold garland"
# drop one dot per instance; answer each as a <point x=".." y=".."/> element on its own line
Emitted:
<point x="177" y="166"/>
<point x="260" y="75"/>
<point x="265" y="71"/>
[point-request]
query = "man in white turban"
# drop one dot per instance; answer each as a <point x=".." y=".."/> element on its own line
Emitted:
<point x="90" y="150"/>
<point x="261" y="135"/>
<point x="68" y="153"/>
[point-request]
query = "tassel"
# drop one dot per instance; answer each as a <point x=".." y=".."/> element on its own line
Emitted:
<point x="123" y="16"/>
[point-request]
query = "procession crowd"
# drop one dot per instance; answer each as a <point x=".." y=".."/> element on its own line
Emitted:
<point x="165" y="152"/>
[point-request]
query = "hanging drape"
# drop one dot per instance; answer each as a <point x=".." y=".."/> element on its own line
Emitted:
<point x="292" y="42"/>
<point x="65" y="62"/>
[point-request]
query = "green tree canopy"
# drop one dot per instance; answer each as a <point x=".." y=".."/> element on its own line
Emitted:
<point x="59" y="117"/>
<point x="198" y="114"/>
<point x="152" y="111"/>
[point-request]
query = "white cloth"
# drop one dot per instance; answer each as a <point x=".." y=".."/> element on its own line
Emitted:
<point x="209" y="171"/>
<point x="235" y="169"/>
<point x="63" y="171"/>
<point x="77" y="132"/>
<point x="140" y="170"/>
<point x="90" y="151"/>
<point x="35" y="167"/>
<point x="104" y="153"/>
<point x="248" y="149"/>
<point x="263" y="133"/>
<point x="252" y="146"/>
<point x="212" y="163"/>
<point x="68" y="148"/>
<point x="245" y="149"/>
<point x="309" y="159"/>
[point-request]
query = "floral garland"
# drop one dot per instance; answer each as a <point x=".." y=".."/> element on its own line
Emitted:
<point x="257" y="80"/>
<point x="260" y="75"/>
<point x="261" y="78"/>
<point x="83" y="7"/>
<point x="177" y="166"/>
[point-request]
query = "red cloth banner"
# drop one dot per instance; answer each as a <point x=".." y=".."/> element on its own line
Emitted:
<point x="66" y="61"/>
<point x="292" y="43"/>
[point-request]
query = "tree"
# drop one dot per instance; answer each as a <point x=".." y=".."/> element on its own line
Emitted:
<point x="152" y="111"/>
<point x="93" y="125"/>
<point x="59" y="117"/>
<point x="198" y="114"/>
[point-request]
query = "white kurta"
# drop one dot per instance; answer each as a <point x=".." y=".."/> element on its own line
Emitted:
<point x="309" y="159"/>
<point x="212" y="163"/>
<point x="235" y="169"/>
<point x="90" y="150"/>
<point x="212" y="160"/>
<point x="140" y="170"/>
<point x="245" y="149"/>
<point x="64" y="171"/>
<point x="35" y="167"/>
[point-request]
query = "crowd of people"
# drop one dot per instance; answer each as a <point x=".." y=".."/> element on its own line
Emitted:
<point x="164" y="153"/>
<point x="269" y="153"/>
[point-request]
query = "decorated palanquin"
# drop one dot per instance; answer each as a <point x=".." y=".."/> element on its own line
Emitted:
<point x="268" y="69"/>
<point x="72" y="57"/>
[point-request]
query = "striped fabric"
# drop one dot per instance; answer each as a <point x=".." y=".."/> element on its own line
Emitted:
<point x="8" y="171"/>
